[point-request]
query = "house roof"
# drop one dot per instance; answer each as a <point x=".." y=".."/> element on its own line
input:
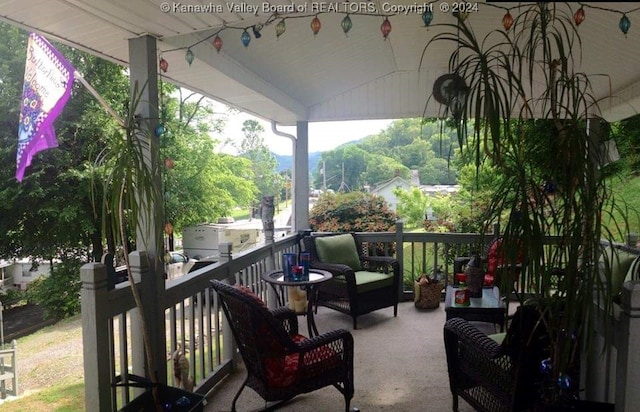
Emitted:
<point x="329" y="76"/>
<point x="394" y="181"/>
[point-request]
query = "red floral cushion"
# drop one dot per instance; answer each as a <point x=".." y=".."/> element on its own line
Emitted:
<point x="283" y="371"/>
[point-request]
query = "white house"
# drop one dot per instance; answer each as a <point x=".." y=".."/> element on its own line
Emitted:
<point x="20" y="273"/>
<point x="385" y="189"/>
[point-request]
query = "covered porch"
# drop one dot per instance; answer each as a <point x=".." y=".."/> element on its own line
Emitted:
<point x="399" y="362"/>
<point x="292" y="78"/>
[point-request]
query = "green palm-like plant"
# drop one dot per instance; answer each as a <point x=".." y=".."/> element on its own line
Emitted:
<point x="129" y="184"/>
<point x="554" y="176"/>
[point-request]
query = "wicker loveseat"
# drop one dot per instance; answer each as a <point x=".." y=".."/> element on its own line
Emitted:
<point x="361" y="284"/>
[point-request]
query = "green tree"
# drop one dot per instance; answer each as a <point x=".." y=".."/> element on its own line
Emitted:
<point x="412" y="206"/>
<point x="263" y="163"/>
<point x="50" y="214"/>
<point x="200" y="185"/>
<point x="344" y="168"/>
<point x="381" y="168"/>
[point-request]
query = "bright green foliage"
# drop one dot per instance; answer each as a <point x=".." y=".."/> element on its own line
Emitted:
<point x="261" y="160"/>
<point x="11" y="297"/>
<point x="58" y="293"/>
<point x="344" y="168"/>
<point x="412" y="206"/>
<point x="355" y="211"/>
<point x="203" y="185"/>
<point x="381" y="168"/>
<point x="405" y="145"/>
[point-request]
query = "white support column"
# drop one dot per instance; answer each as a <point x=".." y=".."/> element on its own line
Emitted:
<point x="300" y="182"/>
<point x="144" y="81"/>
<point x="143" y="75"/>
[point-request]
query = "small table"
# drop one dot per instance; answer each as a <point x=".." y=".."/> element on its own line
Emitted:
<point x="489" y="308"/>
<point x="277" y="281"/>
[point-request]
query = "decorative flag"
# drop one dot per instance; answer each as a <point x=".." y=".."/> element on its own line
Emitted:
<point x="48" y="79"/>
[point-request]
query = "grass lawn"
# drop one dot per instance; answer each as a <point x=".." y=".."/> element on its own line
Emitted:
<point x="61" y="398"/>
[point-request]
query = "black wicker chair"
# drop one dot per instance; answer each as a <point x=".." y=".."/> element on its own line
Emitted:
<point x="371" y="286"/>
<point x="492" y="376"/>
<point x="281" y="363"/>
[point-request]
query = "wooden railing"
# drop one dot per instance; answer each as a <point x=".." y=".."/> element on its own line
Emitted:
<point x="8" y="370"/>
<point x="184" y="312"/>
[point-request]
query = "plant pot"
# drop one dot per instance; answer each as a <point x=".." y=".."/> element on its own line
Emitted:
<point x="172" y="399"/>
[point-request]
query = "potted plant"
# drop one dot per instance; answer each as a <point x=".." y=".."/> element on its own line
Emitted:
<point x="128" y="180"/>
<point x="553" y="176"/>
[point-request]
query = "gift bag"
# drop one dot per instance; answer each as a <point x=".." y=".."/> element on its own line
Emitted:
<point x="426" y="293"/>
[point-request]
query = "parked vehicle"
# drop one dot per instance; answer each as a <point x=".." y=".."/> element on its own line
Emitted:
<point x="179" y="264"/>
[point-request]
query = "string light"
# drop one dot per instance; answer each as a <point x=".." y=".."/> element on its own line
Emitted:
<point x="188" y="56"/>
<point x="245" y="38"/>
<point x="315" y="25"/>
<point x="427" y="16"/>
<point x="281" y="27"/>
<point x="507" y="21"/>
<point x="346" y="24"/>
<point x="624" y="24"/>
<point x="385" y="28"/>
<point x="164" y="65"/>
<point x="217" y="43"/>
<point x="579" y="16"/>
<point x="256" y="31"/>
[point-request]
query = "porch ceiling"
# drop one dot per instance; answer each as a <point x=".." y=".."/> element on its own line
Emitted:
<point x="327" y="77"/>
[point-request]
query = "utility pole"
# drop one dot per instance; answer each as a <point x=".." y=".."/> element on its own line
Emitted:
<point x="324" y="176"/>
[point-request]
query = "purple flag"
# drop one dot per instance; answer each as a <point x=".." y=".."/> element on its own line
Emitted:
<point x="48" y="79"/>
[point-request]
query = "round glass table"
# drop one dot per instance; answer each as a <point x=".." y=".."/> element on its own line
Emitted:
<point x="278" y="282"/>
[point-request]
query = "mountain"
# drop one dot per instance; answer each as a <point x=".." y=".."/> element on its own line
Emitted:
<point x="284" y="161"/>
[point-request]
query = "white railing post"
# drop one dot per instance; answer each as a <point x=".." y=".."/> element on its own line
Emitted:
<point x="400" y="255"/>
<point x="228" y="343"/>
<point x="627" y="373"/>
<point x="95" y="337"/>
<point x="151" y="288"/>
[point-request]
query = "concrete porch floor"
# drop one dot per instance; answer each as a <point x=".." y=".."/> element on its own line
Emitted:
<point x="399" y="365"/>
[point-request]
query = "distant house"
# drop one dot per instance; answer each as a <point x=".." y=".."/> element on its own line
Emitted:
<point x="21" y="272"/>
<point x="434" y="190"/>
<point x="386" y="188"/>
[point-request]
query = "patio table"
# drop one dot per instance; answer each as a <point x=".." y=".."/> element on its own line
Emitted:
<point x="278" y="282"/>
<point x="489" y="308"/>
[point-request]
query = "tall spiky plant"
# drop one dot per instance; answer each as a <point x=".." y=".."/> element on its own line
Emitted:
<point x="131" y="196"/>
<point x="554" y="177"/>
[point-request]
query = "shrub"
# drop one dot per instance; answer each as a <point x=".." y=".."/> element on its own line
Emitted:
<point x="352" y="212"/>
<point x="11" y="297"/>
<point x="59" y="293"/>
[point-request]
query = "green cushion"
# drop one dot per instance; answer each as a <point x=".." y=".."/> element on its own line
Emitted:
<point x="498" y="337"/>
<point x="619" y="261"/>
<point x="368" y="281"/>
<point x="338" y="249"/>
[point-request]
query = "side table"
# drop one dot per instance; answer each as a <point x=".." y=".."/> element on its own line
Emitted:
<point x="277" y="281"/>
<point x="489" y="308"/>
